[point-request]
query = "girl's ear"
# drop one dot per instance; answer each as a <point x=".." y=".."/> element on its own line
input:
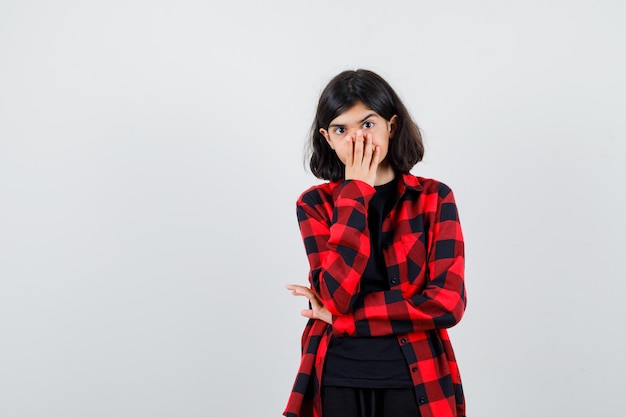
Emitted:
<point x="393" y="124"/>
<point x="324" y="133"/>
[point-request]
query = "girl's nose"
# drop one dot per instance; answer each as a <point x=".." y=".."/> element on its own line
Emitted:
<point x="354" y="130"/>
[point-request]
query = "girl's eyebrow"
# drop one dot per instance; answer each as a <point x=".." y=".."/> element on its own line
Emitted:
<point x="359" y="122"/>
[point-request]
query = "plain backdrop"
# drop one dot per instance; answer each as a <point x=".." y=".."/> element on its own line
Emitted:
<point x="151" y="153"/>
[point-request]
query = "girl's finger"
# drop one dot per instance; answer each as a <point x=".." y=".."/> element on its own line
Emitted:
<point x="300" y="290"/>
<point x="358" y="148"/>
<point x="307" y="313"/>
<point x="295" y="286"/>
<point x="350" y="157"/>
<point x="368" y="150"/>
<point x="295" y="289"/>
<point x="375" y="158"/>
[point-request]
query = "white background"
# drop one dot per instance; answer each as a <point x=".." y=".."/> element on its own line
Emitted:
<point x="151" y="156"/>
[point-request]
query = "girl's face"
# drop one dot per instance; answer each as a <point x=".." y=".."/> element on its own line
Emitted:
<point x="342" y="131"/>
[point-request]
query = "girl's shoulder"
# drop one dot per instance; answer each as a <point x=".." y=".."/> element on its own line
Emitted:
<point x="318" y="193"/>
<point x="426" y="185"/>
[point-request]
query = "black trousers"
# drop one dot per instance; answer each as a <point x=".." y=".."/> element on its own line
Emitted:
<point x="366" y="402"/>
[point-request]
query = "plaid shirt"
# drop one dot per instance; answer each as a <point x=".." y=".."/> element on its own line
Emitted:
<point x="424" y="253"/>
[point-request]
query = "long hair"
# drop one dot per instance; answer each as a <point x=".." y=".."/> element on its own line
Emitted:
<point x="344" y="91"/>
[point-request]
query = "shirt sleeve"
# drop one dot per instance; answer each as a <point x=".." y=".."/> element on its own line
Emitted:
<point x="440" y="304"/>
<point x="337" y="245"/>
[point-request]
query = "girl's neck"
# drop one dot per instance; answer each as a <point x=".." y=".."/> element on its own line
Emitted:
<point x="384" y="174"/>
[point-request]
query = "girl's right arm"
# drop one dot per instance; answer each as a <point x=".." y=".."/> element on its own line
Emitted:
<point x="337" y="242"/>
<point x="437" y="303"/>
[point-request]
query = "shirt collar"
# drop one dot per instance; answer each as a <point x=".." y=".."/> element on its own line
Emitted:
<point x="409" y="183"/>
<point x="406" y="183"/>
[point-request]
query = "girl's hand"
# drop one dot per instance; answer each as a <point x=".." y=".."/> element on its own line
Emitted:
<point x="362" y="162"/>
<point x="319" y="312"/>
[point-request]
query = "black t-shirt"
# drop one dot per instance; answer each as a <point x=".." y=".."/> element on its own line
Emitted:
<point x="370" y="362"/>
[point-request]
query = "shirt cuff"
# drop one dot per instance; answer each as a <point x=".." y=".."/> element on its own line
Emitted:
<point x="343" y="326"/>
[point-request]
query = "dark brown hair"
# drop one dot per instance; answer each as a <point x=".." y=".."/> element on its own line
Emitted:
<point x="344" y="91"/>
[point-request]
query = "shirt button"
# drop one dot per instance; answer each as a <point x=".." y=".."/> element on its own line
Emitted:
<point x="414" y="369"/>
<point x="403" y="341"/>
<point x="394" y="281"/>
<point x="422" y="400"/>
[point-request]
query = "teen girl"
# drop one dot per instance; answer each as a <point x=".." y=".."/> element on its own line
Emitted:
<point x="386" y="265"/>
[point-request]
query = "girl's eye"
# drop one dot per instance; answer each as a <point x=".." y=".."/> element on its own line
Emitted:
<point x="340" y="130"/>
<point x="368" y="125"/>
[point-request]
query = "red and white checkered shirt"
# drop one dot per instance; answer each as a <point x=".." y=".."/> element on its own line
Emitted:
<point x="424" y="253"/>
